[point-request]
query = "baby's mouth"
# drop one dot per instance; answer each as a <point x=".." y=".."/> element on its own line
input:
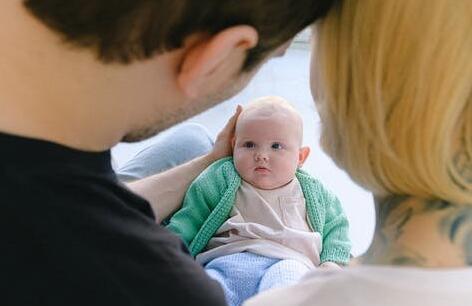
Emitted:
<point x="261" y="170"/>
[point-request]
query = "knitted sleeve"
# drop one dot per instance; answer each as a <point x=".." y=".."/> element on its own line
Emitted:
<point x="336" y="243"/>
<point x="195" y="209"/>
<point x="200" y="199"/>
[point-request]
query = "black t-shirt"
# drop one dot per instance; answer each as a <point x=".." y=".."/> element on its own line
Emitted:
<point x="71" y="234"/>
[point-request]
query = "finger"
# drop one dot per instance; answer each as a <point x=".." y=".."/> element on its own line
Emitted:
<point x="239" y="109"/>
<point x="230" y="125"/>
<point x="236" y="114"/>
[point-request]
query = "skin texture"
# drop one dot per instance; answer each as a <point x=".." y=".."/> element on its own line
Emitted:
<point x="267" y="149"/>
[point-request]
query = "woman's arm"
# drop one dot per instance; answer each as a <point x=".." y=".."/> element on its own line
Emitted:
<point x="165" y="191"/>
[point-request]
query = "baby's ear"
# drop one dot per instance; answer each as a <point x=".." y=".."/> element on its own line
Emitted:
<point x="233" y="142"/>
<point x="303" y="155"/>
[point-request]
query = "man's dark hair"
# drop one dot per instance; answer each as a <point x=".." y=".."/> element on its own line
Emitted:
<point x="126" y="30"/>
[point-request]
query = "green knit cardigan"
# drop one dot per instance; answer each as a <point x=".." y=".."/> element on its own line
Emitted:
<point x="210" y="198"/>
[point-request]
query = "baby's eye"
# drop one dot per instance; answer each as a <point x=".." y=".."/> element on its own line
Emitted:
<point x="249" y="144"/>
<point x="276" y="146"/>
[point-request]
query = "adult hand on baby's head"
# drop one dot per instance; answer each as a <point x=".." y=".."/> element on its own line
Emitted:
<point x="222" y="147"/>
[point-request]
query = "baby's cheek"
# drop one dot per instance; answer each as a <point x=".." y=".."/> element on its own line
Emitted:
<point x="237" y="160"/>
<point x="289" y="169"/>
<point x="240" y="165"/>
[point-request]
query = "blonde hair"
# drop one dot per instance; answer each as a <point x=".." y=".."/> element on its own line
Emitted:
<point x="393" y="83"/>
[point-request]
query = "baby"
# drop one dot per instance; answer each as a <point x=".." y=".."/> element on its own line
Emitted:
<point x="256" y="221"/>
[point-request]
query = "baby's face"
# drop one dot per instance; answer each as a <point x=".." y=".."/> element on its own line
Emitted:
<point x="266" y="149"/>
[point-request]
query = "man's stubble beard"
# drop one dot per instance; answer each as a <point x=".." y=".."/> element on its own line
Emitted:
<point x="185" y="112"/>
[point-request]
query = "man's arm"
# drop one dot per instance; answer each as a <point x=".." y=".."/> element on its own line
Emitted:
<point x="165" y="191"/>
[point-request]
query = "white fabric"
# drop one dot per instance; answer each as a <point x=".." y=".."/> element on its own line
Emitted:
<point x="375" y="286"/>
<point x="271" y="223"/>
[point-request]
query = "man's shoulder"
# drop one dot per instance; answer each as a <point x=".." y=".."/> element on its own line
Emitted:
<point x="70" y="245"/>
<point x="100" y="272"/>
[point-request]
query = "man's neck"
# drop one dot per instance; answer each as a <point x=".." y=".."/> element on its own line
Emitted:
<point x="67" y="119"/>
<point x="422" y="233"/>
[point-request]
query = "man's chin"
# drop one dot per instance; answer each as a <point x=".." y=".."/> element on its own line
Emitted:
<point x="131" y="138"/>
<point x="183" y="113"/>
<point x="154" y="128"/>
<point x="145" y="133"/>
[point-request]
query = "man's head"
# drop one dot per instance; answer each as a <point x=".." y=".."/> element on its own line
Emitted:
<point x="267" y="144"/>
<point x="184" y="56"/>
<point x="128" y="30"/>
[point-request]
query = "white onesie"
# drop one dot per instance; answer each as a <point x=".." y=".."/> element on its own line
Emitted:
<point x="271" y="223"/>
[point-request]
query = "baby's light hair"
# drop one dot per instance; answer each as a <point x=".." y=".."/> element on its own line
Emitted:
<point x="393" y="88"/>
<point x="269" y="105"/>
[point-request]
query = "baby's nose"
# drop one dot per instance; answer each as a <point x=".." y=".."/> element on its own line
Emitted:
<point x="261" y="156"/>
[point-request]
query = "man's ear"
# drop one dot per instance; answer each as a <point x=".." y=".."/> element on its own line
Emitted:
<point x="209" y="57"/>
<point x="303" y="155"/>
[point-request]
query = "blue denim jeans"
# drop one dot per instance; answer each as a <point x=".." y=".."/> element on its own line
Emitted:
<point x="177" y="146"/>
